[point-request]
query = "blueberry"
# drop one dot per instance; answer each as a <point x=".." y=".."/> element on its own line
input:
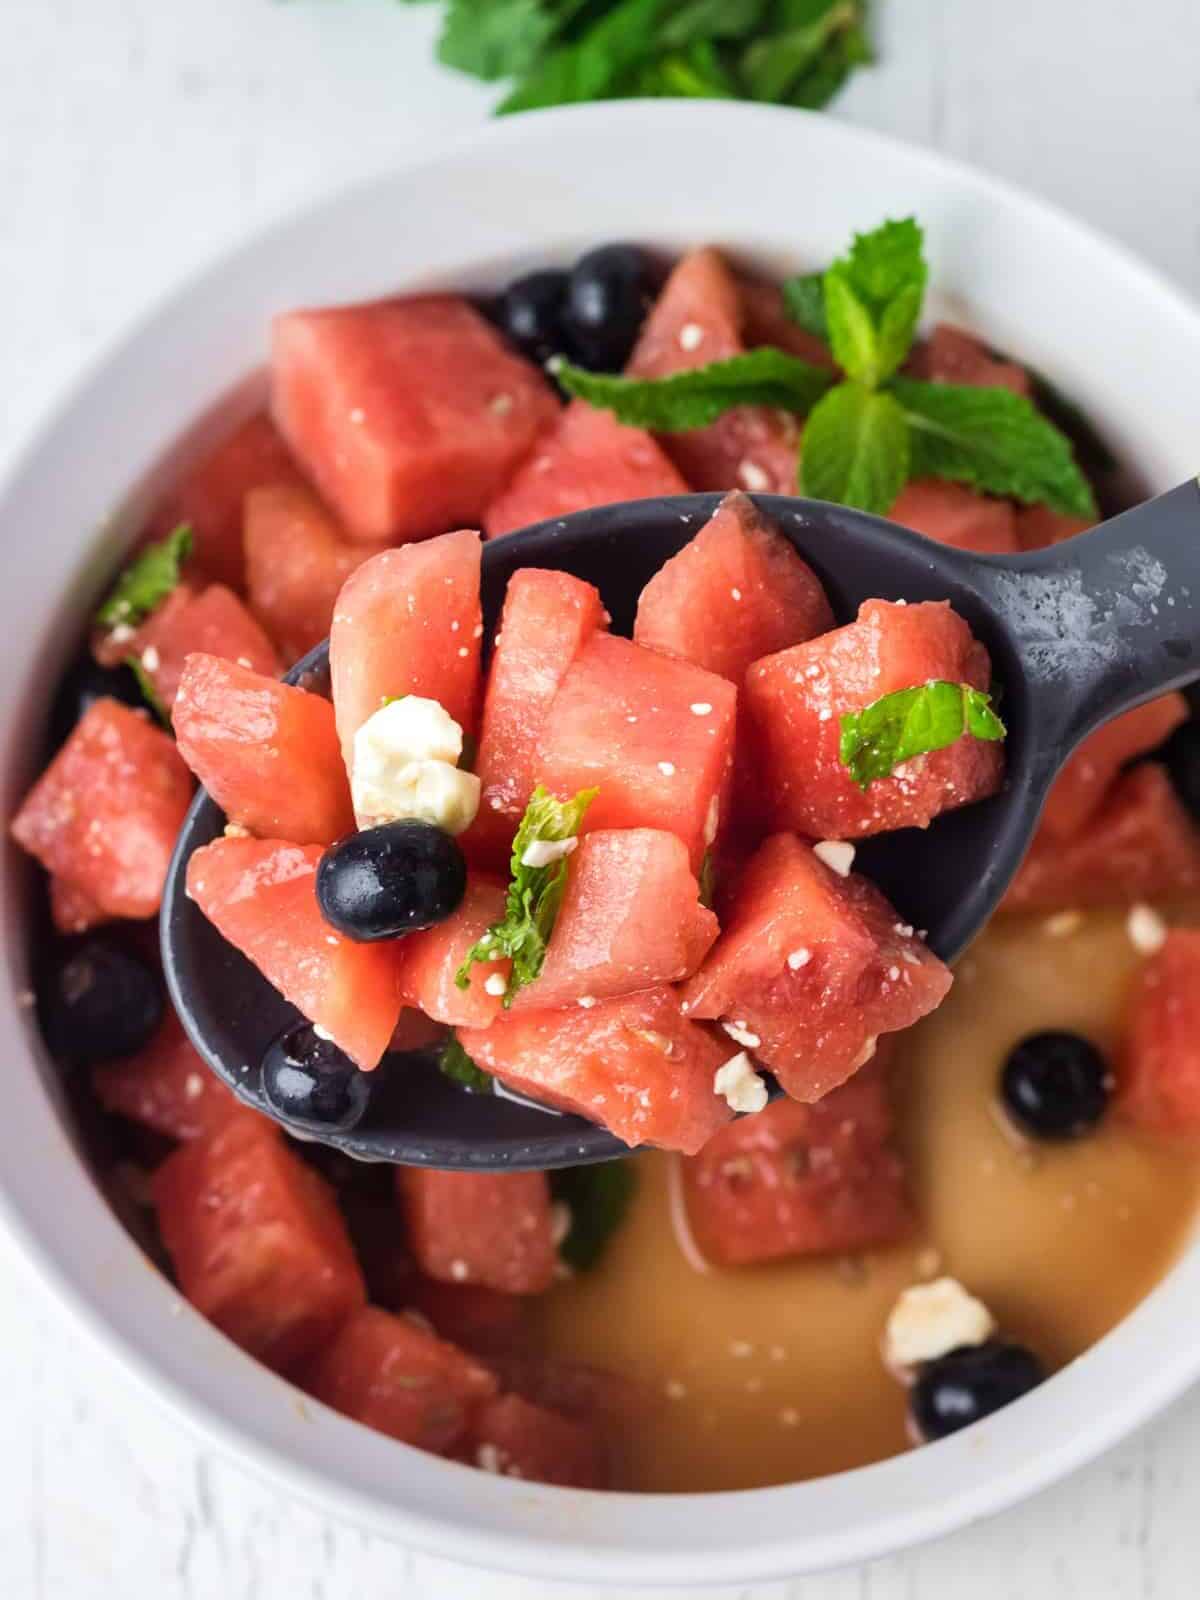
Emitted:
<point x="85" y="683"/>
<point x="608" y="295"/>
<point x="391" y="880"/>
<point x="970" y="1383"/>
<point x="311" y="1084"/>
<point x="100" y="1001"/>
<point x="1182" y="755"/>
<point x="1055" y="1085"/>
<point x="530" y="313"/>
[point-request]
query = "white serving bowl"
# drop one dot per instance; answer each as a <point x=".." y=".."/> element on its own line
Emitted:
<point x="782" y="189"/>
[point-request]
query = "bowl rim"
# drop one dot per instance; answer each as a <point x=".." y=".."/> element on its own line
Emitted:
<point x="441" y="1507"/>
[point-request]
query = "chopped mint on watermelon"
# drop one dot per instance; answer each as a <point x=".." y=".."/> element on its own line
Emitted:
<point x="912" y="722"/>
<point x="535" y="891"/>
<point x="694" y="399"/>
<point x="598" y="1198"/>
<point x="455" y="1063"/>
<point x="146" y="581"/>
<point x="149" y="693"/>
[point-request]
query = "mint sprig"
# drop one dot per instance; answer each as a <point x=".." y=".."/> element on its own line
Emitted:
<point x="146" y="581"/>
<point x="534" y="893"/>
<point x="456" y="1064"/>
<point x="598" y="1198"/>
<point x="912" y="722"/>
<point x="855" y="447"/>
<point x="696" y="398"/>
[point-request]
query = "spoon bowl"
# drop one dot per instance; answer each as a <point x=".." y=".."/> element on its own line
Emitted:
<point x="1077" y="634"/>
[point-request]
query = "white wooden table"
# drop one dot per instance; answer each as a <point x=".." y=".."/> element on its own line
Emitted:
<point x="136" y="137"/>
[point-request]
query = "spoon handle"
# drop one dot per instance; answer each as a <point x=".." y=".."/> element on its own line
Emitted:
<point x="1108" y="619"/>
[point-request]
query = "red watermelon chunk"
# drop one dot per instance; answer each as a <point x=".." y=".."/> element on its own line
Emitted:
<point x="297" y="559"/>
<point x="811" y="967"/>
<point x="795" y="701"/>
<point x="697" y="319"/>
<point x="1140" y="844"/>
<point x="260" y="894"/>
<point x="257" y="1242"/>
<point x="652" y="733"/>
<point x="1158" y="1067"/>
<point x="210" y="497"/>
<point x="428" y="961"/>
<point x="409" y="415"/>
<point x="485" y="1321"/>
<point x="765" y="320"/>
<point x="630" y="919"/>
<point x="955" y="515"/>
<point x="548" y="617"/>
<point x="634" y="1064"/>
<point x="517" y="1439"/>
<point x="797" y="1180"/>
<point x="952" y="355"/>
<point x="167" y="1087"/>
<point x="736" y="592"/>
<point x="488" y="1228"/>
<point x="1081" y="786"/>
<point x="408" y="622"/>
<point x="266" y="752"/>
<point x="105" y="813"/>
<point x="1039" y="526"/>
<point x="72" y="910"/>
<point x="392" y="1375"/>
<point x="587" y="459"/>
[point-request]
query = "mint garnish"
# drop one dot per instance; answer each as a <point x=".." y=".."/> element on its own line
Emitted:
<point x="455" y="1063"/>
<point x="147" y="580"/>
<point x="912" y="722"/>
<point x="598" y="1198"/>
<point x="693" y="399"/>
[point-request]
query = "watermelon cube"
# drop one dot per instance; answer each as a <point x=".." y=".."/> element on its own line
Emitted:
<point x="408" y="622"/>
<point x="408" y="415"/>
<point x="392" y="1375"/>
<point x="486" y="1321"/>
<point x="488" y="1228"/>
<point x="266" y="752"/>
<point x="517" y="1439"/>
<point x="653" y="734"/>
<point x="795" y="701"/>
<point x="635" y="1064"/>
<point x="765" y="321"/>
<point x="798" y="1180"/>
<point x="630" y="919"/>
<point x="811" y="967"/>
<point x="1158" y="1066"/>
<point x="587" y="459"/>
<point x="167" y="1087"/>
<point x="547" y="619"/>
<point x="297" y="559"/>
<point x="105" y="813"/>
<point x="210" y="496"/>
<point x="1039" y="526"/>
<point x="698" y="318"/>
<point x="955" y="515"/>
<point x="426" y="962"/>
<point x="736" y="592"/>
<point x="257" y="1242"/>
<point x="260" y="895"/>
<point x="1140" y="844"/>
<point x="72" y="910"/>
<point x="952" y="355"/>
<point x="1081" y="786"/>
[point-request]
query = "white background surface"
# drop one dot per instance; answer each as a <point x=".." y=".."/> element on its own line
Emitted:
<point x="136" y="138"/>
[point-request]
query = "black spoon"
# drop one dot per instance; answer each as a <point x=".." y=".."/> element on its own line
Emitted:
<point x="1078" y="633"/>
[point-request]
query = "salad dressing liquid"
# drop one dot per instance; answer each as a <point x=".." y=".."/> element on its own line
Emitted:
<point x="769" y="1374"/>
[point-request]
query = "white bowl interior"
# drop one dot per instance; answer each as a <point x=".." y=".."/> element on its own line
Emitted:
<point x="782" y="190"/>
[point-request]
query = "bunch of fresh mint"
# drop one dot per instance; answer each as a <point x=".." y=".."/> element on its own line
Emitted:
<point x="868" y="434"/>
<point x="560" y="52"/>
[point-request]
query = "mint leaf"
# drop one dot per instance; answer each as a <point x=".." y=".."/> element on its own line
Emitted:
<point x="804" y="301"/>
<point x="534" y="892"/>
<point x="598" y="1198"/>
<point x="805" y="35"/>
<point x="149" y="693"/>
<point x="993" y="440"/>
<point x="705" y="21"/>
<point x="855" y="449"/>
<point x="591" y="66"/>
<point x="873" y="299"/>
<point x="912" y="722"/>
<point x="456" y="1064"/>
<point x="492" y="39"/>
<point x="147" y="580"/>
<point x="694" y="73"/>
<point x="693" y="399"/>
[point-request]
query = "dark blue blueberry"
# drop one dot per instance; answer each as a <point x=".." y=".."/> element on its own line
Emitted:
<point x="310" y="1084"/>
<point x="84" y="684"/>
<point x="608" y="295"/>
<point x="391" y="880"/>
<point x="530" y="312"/>
<point x="1055" y="1085"/>
<point x="99" y="1002"/>
<point x="970" y="1383"/>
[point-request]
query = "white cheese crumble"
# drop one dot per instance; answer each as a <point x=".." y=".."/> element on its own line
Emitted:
<point x="837" y="855"/>
<point x="741" y="1034"/>
<point x="712" y="819"/>
<point x="691" y="336"/>
<point x="700" y="708"/>
<point x="754" y="477"/>
<point x="1146" y="929"/>
<point x="739" y="1085"/>
<point x="543" y="852"/>
<point x="667" y="768"/>
<point x="496" y="984"/>
<point x="404" y="765"/>
<point x="799" y="958"/>
<point x="931" y="1319"/>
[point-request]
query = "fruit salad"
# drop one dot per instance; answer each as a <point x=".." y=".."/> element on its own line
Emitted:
<point x="614" y="871"/>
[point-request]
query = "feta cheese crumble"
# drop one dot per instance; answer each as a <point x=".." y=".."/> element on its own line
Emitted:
<point x="931" y="1319"/>
<point x="1146" y="929"/>
<point x="544" y="852"/>
<point x="405" y="765"/>
<point x="496" y="984"/>
<point x="739" y="1085"/>
<point x="799" y="958"/>
<point x="741" y="1034"/>
<point x="837" y="855"/>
